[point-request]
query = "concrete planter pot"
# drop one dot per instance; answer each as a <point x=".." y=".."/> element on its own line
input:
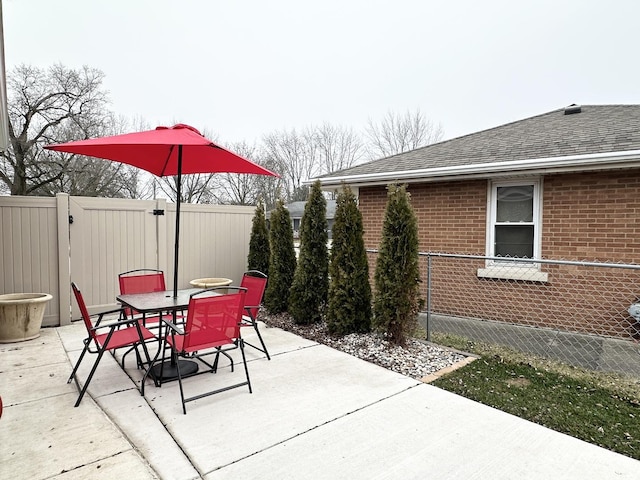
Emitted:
<point x="21" y="315"/>
<point x="212" y="282"/>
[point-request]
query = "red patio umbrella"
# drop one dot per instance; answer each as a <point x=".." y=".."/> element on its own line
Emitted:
<point x="166" y="151"/>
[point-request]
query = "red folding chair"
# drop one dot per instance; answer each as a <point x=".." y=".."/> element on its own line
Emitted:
<point x="255" y="282"/>
<point x="120" y="334"/>
<point x="212" y="327"/>
<point x="143" y="280"/>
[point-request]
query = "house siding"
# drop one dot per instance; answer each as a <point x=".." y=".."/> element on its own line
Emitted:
<point x="586" y="216"/>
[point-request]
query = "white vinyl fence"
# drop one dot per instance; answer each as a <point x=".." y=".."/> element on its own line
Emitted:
<point x="46" y="243"/>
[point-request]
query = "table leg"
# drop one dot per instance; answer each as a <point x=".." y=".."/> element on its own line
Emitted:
<point x="169" y="368"/>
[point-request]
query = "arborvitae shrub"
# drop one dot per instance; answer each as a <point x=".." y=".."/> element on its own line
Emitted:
<point x="349" y="309"/>
<point x="308" y="296"/>
<point x="259" y="250"/>
<point x="282" y="261"/>
<point x="397" y="276"/>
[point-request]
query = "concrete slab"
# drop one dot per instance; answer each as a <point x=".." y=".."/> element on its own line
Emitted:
<point x="123" y="465"/>
<point x="278" y="341"/>
<point x="46" y="437"/>
<point x="72" y="336"/>
<point x="28" y="384"/>
<point x="581" y="350"/>
<point x="425" y="432"/>
<point x="292" y="394"/>
<point x="315" y="413"/>
<point x="142" y="428"/>
<point x="108" y="378"/>
<point x="44" y="350"/>
<point x="587" y="351"/>
<point x="618" y="355"/>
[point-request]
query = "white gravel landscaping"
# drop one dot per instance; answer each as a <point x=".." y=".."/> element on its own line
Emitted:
<point x="417" y="360"/>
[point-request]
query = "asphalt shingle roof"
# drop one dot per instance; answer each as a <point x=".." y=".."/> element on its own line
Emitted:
<point x="296" y="209"/>
<point x="596" y="129"/>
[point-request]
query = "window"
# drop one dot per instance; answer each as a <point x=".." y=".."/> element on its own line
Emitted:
<point x="513" y="226"/>
<point x="513" y="229"/>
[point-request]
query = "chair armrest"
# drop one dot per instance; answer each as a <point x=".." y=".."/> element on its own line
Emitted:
<point x="118" y="323"/>
<point x="173" y="327"/>
<point x="112" y="325"/>
<point x="107" y="312"/>
<point x="99" y="315"/>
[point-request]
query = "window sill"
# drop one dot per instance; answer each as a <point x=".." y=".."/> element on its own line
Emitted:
<point x="526" y="273"/>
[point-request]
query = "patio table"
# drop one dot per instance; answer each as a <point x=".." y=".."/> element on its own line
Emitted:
<point x="158" y="302"/>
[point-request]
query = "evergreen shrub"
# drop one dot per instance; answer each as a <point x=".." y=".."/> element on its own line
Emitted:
<point x="349" y="308"/>
<point x="397" y="277"/>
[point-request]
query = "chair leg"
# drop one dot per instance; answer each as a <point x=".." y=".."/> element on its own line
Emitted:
<point x="101" y="351"/>
<point x="264" y="347"/>
<point x="125" y="355"/>
<point x="75" y="367"/>
<point x="184" y="406"/>
<point x="215" y="362"/>
<point x="214" y="367"/>
<point x="244" y="360"/>
<point x="148" y="371"/>
<point x="144" y="347"/>
<point x="86" y="383"/>
<point x="164" y="351"/>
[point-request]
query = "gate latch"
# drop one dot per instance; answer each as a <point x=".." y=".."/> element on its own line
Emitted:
<point x="158" y="211"/>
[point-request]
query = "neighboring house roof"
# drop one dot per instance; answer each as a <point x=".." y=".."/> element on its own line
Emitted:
<point x="296" y="209"/>
<point x="574" y="138"/>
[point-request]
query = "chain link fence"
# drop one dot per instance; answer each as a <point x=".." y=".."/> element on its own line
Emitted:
<point x="575" y="312"/>
<point x="585" y="314"/>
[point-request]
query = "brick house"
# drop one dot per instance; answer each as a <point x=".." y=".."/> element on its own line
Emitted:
<point x="296" y="210"/>
<point x="561" y="185"/>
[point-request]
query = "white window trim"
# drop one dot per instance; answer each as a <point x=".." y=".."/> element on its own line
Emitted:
<point x="510" y="270"/>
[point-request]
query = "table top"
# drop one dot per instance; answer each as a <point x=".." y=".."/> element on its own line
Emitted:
<point x="157" y="301"/>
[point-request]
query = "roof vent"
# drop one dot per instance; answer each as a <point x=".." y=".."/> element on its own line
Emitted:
<point x="571" y="109"/>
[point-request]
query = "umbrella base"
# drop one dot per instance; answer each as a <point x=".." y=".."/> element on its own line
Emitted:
<point x="170" y="370"/>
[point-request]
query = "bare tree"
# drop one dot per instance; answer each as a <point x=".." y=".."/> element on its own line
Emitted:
<point x="247" y="189"/>
<point x="236" y="188"/>
<point x="296" y="157"/>
<point x="337" y="147"/>
<point x="56" y="105"/>
<point x="270" y="189"/>
<point x="194" y="189"/>
<point x="94" y="177"/>
<point x="397" y="133"/>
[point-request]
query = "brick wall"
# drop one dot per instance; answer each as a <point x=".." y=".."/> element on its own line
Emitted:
<point x="451" y="216"/>
<point x="590" y="216"/>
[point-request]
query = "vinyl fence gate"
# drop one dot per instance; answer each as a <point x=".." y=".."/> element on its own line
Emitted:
<point x="45" y="243"/>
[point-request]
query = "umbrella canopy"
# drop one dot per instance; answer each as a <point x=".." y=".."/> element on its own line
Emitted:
<point x="156" y="151"/>
<point x="165" y="151"/>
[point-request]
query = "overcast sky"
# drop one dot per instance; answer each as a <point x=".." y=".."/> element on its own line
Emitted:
<point x="242" y="69"/>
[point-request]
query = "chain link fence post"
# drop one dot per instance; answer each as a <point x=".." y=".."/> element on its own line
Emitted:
<point x="428" y="298"/>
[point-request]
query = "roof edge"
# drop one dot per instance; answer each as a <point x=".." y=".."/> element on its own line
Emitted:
<point x="583" y="162"/>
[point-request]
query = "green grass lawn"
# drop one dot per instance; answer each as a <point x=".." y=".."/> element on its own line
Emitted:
<point x="603" y="409"/>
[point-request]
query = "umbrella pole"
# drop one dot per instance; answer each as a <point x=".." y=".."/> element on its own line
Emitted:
<point x="177" y="242"/>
